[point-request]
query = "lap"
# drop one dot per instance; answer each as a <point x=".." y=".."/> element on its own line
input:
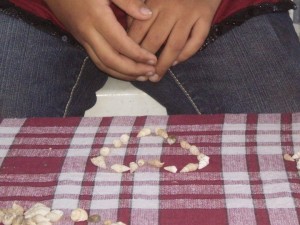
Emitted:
<point x="41" y="75"/>
<point x="253" y="68"/>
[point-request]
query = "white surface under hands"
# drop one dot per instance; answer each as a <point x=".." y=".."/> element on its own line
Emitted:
<point x="121" y="98"/>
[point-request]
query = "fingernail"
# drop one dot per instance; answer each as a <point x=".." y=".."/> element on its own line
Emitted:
<point x="142" y="78"/>
<point x="148" y="74"/>
<point x="175" y="63"/>
<point x="151" y="62"/>
<point x="154" y="78"/>
<point x="145" y="11"/>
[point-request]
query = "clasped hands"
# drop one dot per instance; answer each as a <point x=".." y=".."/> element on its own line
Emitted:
<point x="175" y="28"/>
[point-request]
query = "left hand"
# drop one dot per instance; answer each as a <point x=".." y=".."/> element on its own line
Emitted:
<point x="179" y="26"/>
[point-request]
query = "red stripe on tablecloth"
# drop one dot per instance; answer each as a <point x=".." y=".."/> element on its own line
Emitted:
<point x="87" y="185"/>
<point x="194" y="119"/>
<point x="31" y="165"/>
<point x="252" y="162"/>
<point x="26" y="199"/>
<point x="52" y="122"/>
<point x="193" y="217"/>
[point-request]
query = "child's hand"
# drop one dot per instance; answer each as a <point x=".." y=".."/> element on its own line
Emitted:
<point x="94" y="25"/>
<point x="181" y="26"/>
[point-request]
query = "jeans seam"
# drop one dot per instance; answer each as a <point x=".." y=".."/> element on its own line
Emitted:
<point x="74" y="87"/>
<point x="184" y="91"/>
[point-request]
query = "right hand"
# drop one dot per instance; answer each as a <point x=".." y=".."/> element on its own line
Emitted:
<point x="95" y="26"/>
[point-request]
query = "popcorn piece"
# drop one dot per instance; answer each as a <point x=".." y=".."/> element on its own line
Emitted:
<point x="40" y="219"/>
<point x="156" y="163"/>
<point x="78" y="215"/>
<point x="107" y="222"/>
<point x="203" y="162"/>
<point x="104" y="151"/>
<point x="288" y="157"/>
<point x="99" y="161"/>
<point x="141" y="162"/>
<point x="298" y="165"/>
<point x="194" y="150"/>
<point x="189" y="168"/>
<point x="117" y="143"/>
<point x="94" y="218"/>
<point x="133" y="167"/>
<point x="124" y="139"/>
<point x="296" y="155"/>
<point x="55" y="215"/>
<point x="171" y="139"/>
<point x="162" y="133"/>
<point x="172" y="169"/>
<point x="37" y="209"/>
<point x="144" y="132"/>
<point x="185" y="145"/>
<point x="120" y="168"/>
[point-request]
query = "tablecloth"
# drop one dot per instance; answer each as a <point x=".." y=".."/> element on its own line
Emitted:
<point x="48" y="160"/>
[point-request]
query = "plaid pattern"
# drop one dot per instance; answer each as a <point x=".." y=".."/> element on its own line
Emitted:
<point x="247" y="181"/>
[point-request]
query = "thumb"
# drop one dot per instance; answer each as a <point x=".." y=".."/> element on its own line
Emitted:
<point x="135" y="8"/>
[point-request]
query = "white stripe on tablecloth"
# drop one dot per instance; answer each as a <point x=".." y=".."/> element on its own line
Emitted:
<point x="145" y="204"/>
<point x="59" y="201"/>
<point x="230" y="173"/>
<point x="119" y="130"/>
<point x="109" y="183"/>
<point x="278" y="194"/>
<point x="9" y="128"/>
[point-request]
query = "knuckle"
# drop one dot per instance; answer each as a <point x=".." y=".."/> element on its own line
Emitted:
<point x="106" y="61"/>
<point x="176" y="46"/>
<point x="153" y="43"/>
<point x="139" y="56"/>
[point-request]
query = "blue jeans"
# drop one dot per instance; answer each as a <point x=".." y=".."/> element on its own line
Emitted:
<point x="254" y="68"/>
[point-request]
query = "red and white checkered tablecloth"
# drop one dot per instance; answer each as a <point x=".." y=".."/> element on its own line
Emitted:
<point x="247" y="181"/>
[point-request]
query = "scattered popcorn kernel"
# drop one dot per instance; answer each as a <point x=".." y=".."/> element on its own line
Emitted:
<point x="117" y="143"/>
<point x="162" y="133"/>
<point x="99" y="161"/>
<point x="185" y="145"/>
<point x="141" y="162"/>
<point x="144" y="132"/>
<point x="120" y="168"/>
<point x="104" y="151"/>
<point x="190" y="168"/>
<point x="133" y="167"/>
<point x="156" y="163"/>
<point x="124" y="139"/>
<point x="172" y="169"/>
<point x="78" y="215"/>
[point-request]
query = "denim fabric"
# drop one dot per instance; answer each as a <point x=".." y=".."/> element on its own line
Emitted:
<point x="41" y="75"/>
<point x="253" y="68"/>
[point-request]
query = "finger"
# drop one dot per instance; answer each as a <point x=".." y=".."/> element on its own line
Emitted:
<point x="137" y="30"/>
<point x="117" y="37"/>
<point x="112" y="59"/>
<point x="135" y="8"/>
<point x="176" y="42"/>
<point x="111" y="71"/>
<point x="158" y="33"/>
<point x="197" y="38"/>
